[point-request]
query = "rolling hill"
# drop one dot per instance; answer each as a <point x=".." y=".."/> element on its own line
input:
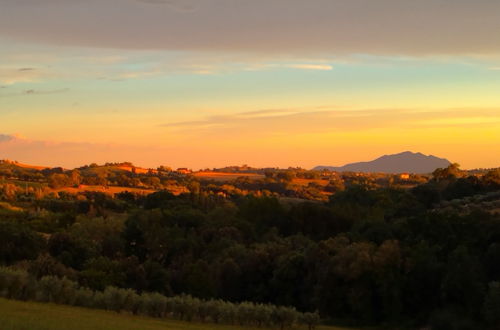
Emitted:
<point x="13" y="164"/>
<point x="397" y="163"/>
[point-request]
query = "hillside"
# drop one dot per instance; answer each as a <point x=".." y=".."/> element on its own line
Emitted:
<point x="397" y="163"/>
<point x="18" y="315"/>
<point x="5" y="163"/>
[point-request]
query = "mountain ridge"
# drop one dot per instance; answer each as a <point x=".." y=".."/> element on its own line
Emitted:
<point x="403" y="162"/>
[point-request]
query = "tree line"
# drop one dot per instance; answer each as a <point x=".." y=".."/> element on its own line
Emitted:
<point x="20" y="285"/>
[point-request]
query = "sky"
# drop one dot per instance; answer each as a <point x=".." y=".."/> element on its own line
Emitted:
<point x="269" y="83"/>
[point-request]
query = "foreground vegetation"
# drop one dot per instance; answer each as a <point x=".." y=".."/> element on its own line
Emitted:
<point x="17" y="315"/>
<point x="370" y="255"/>
<point x="18" y="284"/>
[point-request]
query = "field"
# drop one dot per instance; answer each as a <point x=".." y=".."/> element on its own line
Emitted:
<point x="224" y="176"/>
<point x="24" y="184"/>
<point x="108" y="190"/>
<point x="305" y="182"/>
<point x="228" y="176"/>
<point x="16" y="315"/>
<point x="112" y="190"/>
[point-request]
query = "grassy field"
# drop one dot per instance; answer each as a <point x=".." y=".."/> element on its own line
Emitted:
<point x="16" y="315"/>
<point x="24" y="184"/>
<point x="305" y="182"/>
<point x="111" y="190"/>
<point x="223" y="176"/>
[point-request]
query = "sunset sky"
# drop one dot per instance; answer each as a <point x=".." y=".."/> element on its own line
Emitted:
<point x="209" y="83"/>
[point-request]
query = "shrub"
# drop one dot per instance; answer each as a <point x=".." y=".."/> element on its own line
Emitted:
<point x="56" y="290"/>
<point x="153" y="304"/>
<point x="244" y="313"/>
<point x="15" y="284"/>
<point x="491" y="309"/>
<point x="263" y="314"/>
<point x="229" y="313"/>
<point x="114" y="298"/>
<point x="98" y="300"/>
<point x="310" y="319"/>
<point x="215" y="309"/>
<point x="284" y="316"/>
<point x="84" y="297"/>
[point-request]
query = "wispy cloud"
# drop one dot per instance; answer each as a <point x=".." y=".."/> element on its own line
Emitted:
<point x="34" y="92"/>
<point x="6" y="138"/>
<point x="321" y="67"/>
<point x="180" y="5"/>
<point x="44" y="92"/>
<point x="314" y="120"/>
<point x="219" y="120"/>
<point x="10" y="76"/>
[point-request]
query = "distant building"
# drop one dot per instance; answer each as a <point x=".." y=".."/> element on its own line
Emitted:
<point x="183" y="170"/>
<point x="404" y="176"/>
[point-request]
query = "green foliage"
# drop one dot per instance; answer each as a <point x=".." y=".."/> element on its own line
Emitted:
<point x="310" y="319"/>
<point x="18" y="284"/>
<point x="229" y="253"/>
<point x="18" y="242"/>
<point x="491" y="309"/>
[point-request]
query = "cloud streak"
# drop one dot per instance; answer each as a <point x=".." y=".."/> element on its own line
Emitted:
<point x="34" y="92"/>
<point x="320" y="67"/>
<point x="304" y="121"/>
<point x="6" y="138"/>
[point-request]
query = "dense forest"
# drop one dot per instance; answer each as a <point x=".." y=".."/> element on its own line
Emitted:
<point x="367" y="254"/>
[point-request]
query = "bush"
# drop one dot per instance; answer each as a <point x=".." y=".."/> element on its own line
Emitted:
<point x="98" y="300"/>
<point x="84" y="297"/>
<point x="114" y="298"/>
<point x="244" y="313"/>
<point x="214" y="309"/>
<point x="153" y="304"/>
<point x="263" y="315"/>
<point x="46" y="265"/>
<point x="451" y="320"/>
<point x="56" y="290"/>
<point x="310" y="319"/>
<point x="284" y="316"/>
<point x="491" y="309"/>
<point x="229" y="313"/>
<point x="15" y="284"/>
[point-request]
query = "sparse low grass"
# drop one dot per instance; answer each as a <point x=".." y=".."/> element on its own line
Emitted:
<point x="17" y="315"/>
<point x="226" y="176"/>
<point x="111" y="190"/>
<point x="9" y="207"/>
<point x="305" y="182"/>
<point x="24" y="184"/>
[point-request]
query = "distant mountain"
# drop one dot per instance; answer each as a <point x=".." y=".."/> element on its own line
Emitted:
<point x="398" y="163"/>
